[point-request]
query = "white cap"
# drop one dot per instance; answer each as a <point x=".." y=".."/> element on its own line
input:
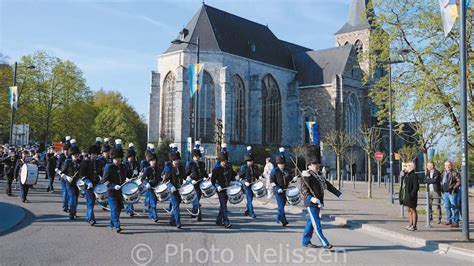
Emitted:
<point x="224" y="145"/>
<point x="148" y="145"/>
<point x="68" y="137"/>
<point x="130" y="145"/>
<point x="173" y="145"/>
<point x="106" y="139"/>
<point x="281" y="149"/>
<point x="118" y="141"/>
<point x="249" y="148"/>
<point x="99" y="139"/>
<point x="305" y="173"/>
<point x="73" y="140"/>
<point x="198" y="142"/>
<point x="152" y="146"/>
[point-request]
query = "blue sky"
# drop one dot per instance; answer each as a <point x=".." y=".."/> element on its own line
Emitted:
<point x="116" y="43"/>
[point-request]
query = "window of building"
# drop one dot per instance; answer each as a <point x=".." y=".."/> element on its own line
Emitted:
<point x="271" y="111"/>
<point x="168" y="107"/>
<point x="358" y="47"/>
<point x="238" y="110"/>
<point x="204" y="129"/>
<point x="352" y="115"/>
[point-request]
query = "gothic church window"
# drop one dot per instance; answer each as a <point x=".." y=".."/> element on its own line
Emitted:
<point x="238" y="114"/>
<point x="352" y="115"/>
<point x="271" y="111"/>
<point x="168" y="107"/>
<point x="206" y="115"/>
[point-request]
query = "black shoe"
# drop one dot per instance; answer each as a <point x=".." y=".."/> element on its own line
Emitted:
<point x="9" y="194"/>
<point x="228" y="226"/>
<point x="156" y="220"/>
<point x="118" y="230"/>
<point x="71" y="217"/>
<point x="104" y="209"/>
<point x="92" y="222"/>
<point x="310" y="245"/>
<point x="23" y="200"/>
<point x="254" y="217"/>
<point x="284" y="224"/>
<point x="65" y="210"/>
<point x="246" y="213"/>
<point x="199" y="219"/>
<point x="178" y="226"/>
<point x="193" y="216"/>
<point x="131" y="214"/>
<point x="47" y="190"/>
<point x="328" y="247"/>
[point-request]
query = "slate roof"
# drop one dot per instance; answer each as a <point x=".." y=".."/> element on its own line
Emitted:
<point x="356" y="19"/>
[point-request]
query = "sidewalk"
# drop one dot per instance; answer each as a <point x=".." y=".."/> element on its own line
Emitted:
<point x="379" y="216"/>
<point x="11" y="216"/>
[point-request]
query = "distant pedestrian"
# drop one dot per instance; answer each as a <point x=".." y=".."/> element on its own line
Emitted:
<point x="433" y="180"/>
<point x="409" y="193"/>
<point x="267" y="170"/>
<point x="450" y="183"/>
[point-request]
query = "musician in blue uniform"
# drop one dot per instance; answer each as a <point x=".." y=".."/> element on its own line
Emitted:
<point x="91" y="169"/>
<point x="223" y="150"/>
<point x="114" y="176"/>
<point x="221" y="178"/>
<point x="71" y="173"/>
<point x="19" y="164"/>
<point x="175" y="175"/>
<point x="61" y="159"/>
<point x="144" y="164"/>
<point x="280" y="178"/>
<point x="312" y="189"/>
<point x="132" y="172"/>
<point x="249" y="174"/>
<point x="196" y="172"/>
<point x="152" y="178"/>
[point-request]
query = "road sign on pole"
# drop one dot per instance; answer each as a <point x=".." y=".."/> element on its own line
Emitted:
<point x="378" y="156"/>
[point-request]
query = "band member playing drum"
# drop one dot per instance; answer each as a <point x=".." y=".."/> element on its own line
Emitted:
<point x="9" y="169"/>
<point x="132" y="171"/>
<point x="143" y="165"/>
<point x="71" y="173"/>
<point x="249" y="174"/>
<point x="312" y="188"/>
<point x="280" y="179"/>
<point x="196" y="172"/>
<point x="174" y="173"/>
<point x="152" y="178"/>
<point x="18" y="166"/>
<point x="221" y="177"/>
<point x="114" y="176"/>
<point x="91" y="169"/>
<point x="61" y="159"/>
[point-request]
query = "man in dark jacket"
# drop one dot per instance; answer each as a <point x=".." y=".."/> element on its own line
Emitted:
<point x="433" y="180"/>
<point x="450" y="182"/>
<point x="9" y="169"/>
<point x="50" y="169"/>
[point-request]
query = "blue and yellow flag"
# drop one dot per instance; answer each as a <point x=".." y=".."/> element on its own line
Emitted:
<point x="195" y="76"/>
<point x="14" y="96"/>
<point x="309" y="126"/>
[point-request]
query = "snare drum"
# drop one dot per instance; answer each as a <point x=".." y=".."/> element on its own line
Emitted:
<point x="29" y="174"/>
<point x="141" y="186"/>
<point x="81" y="185"/>
<point x="293" y="195"/>
<point x="187" y="192"/>
<point x="235" y="194"/>
<point x="130" y="192"/>
<point x="100" y="191"/>
<point x="208" y="190"/>
<point x="258" y="189"/>
<point x="162" y="192"/>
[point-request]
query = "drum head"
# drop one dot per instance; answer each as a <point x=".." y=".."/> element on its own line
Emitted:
<point x="205" y="184"/>
<point x="257" y="186"/>
<point x="80" y="183"/>
<point x="186" y="189"/>
<point x="292" y="191"/>
<point x="129" y="188"/>
<point x="100" y="188"/>
<point x="234" y="190"/>
<point x="161" y="188"/>
<point x="24" y="173"/>
<point x="138" y="181"/>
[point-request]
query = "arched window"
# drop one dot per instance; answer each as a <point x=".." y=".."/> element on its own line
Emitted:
<point x="352" y="115"/>
<point x="271" y="111"/>
<point x="168" y="109"/>
<point x="359" y="48"/>
<point x="237" y="129"/>
<point x="205" y="111"/>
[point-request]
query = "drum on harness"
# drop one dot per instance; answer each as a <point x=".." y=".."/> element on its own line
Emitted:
<point x="258" y="189"/>
<point x="235" y="194"/>
<point x="100" y="191"/>
<point x="162" y="192"/>
<point x="29" y="174"/>
<point x="208" y="190"/>
<point x="187" y="193"/>
<point x="130" y="192"/>
<point x="293" y="195"/>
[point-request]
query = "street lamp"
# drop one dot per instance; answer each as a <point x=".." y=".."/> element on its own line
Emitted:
<point x="12" y="106"/>
<point x="404" y="53"/>
<point x="183" y="34"/>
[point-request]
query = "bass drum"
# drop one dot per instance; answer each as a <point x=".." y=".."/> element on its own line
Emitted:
<point x="29" y="174"/>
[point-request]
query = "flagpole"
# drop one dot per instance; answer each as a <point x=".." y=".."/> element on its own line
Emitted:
<point x="464" y="139"/>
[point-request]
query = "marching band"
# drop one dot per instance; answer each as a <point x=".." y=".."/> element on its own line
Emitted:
<point x="103" y="178"/>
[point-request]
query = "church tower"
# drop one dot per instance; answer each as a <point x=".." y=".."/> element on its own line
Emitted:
<point x="357" y="30"/>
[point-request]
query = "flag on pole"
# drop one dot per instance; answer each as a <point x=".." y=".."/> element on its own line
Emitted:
<point x="449" y="14"/>
<point x="13" y="96"/>
<point x="309" y="126"/>
<point x="195" y="76"/>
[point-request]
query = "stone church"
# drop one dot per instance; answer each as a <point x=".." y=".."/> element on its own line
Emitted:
<point x="260" y="87"/>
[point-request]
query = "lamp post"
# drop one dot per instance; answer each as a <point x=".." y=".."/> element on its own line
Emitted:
<point x="18" y="97"/>
<point x="404" y="54"/>
<point x="183" y="33"/>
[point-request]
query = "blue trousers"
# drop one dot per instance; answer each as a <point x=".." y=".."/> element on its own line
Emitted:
<point x="175" y="216"/>
<point x="313" y="224"/>
<point x="24" y="191"/>
<point x="249" y="194"/>
<point x="146" y="199"/>
<point x="90" y="202"/>
<point x="281" y="203"/>
<point x="72" y="194"/>
<point x="451" y="207"/>
<point x="64" y="193"/>
<point x="129" y="209"/>
<point x="152" y="204"/>
<point x="114" y="211"/>
<point x="222" y="217"/>
<point x="196" y="202"/>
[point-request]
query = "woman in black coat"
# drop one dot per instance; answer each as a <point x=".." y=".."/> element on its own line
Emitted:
<point x="409" y="193"/>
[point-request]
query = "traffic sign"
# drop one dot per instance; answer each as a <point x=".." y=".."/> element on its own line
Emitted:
<point x="378" y="156"/>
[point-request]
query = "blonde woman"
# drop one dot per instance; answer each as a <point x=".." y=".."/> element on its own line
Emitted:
<point x="409" y="193"/>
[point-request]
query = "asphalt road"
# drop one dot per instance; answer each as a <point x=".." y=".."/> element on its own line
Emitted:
<point x="48" y="237"/>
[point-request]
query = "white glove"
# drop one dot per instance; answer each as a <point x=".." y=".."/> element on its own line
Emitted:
<point x="172" y="189"/>
<point x="247" y="184"/>
<point x="193" y="182"/>
<point x="184" y="182"/>
<point x="127" y="179"/>
<point x="147" y="186"/>
<point x="237" y="178"/>
<point x="280" y="190"/>
<point x="188" y="179"/>
<point x="89" y="186"/>
<point x="219" y="188"/>
<point x="315" y="200"/>
<point x="204" y="179"/>
<point x="135" y="172"/>
<point x="117" y="187"/>
<point x="260" y="177"/>
<point x="69" y="179"/>
<point x="273" y="184"/>
<point x="294" y="179"/>
<point x="341" y="196"/>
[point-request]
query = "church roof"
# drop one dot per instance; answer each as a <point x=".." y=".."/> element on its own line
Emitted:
<point x="320" y="67"/>
<point x="357" y="19"/>
<point x="221" y="31"/>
